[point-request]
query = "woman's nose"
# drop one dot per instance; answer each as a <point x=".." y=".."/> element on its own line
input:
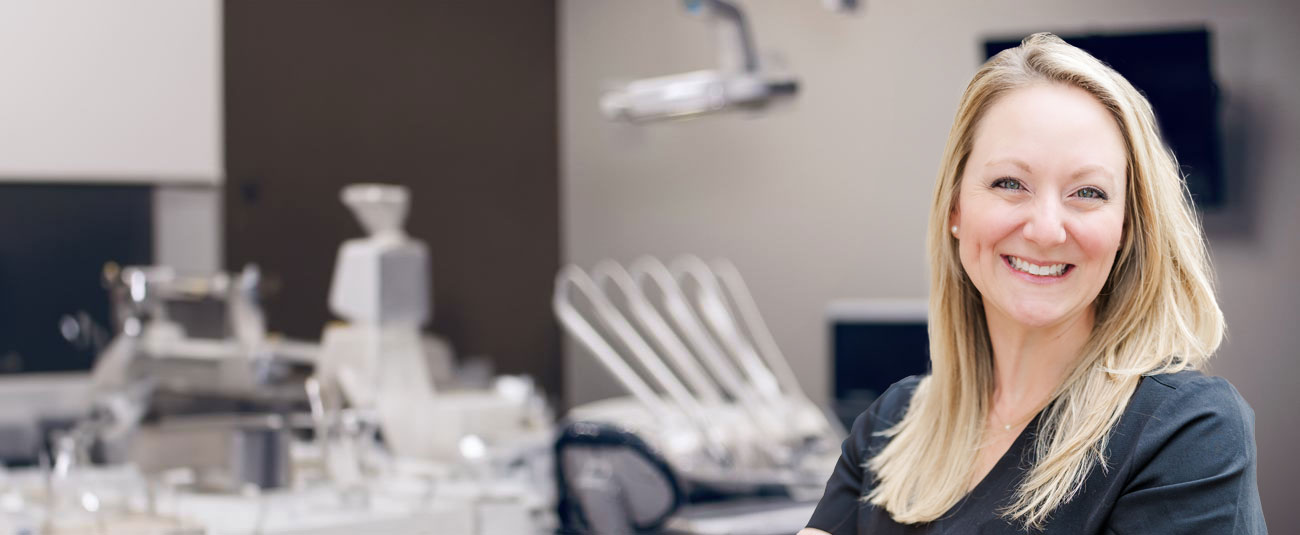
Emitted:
<point x="1045" y="226"/>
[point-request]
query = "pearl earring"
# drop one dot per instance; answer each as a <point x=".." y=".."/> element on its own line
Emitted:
<point x="954" y="230"/>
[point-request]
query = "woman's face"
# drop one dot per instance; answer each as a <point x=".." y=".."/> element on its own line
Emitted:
<point x="1040" y="210"/>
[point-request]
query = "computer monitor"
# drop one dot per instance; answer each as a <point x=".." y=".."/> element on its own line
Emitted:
<point x="874" y="343"/>
<point x="54" y="242"/>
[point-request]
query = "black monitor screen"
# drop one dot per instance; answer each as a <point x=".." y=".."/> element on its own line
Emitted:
<point x="54" y="241"/>
<point x="874" y="345"/>
<point x="1174" y="70"/>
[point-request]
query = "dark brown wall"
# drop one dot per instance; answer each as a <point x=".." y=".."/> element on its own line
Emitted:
<point x="454" y="99"/>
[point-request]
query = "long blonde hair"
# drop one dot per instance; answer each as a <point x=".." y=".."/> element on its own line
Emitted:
<point x="1156" y="313"/>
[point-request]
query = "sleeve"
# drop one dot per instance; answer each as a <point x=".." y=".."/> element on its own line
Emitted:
<point x="836" y="513"/>
<point x="1200" y="473"/>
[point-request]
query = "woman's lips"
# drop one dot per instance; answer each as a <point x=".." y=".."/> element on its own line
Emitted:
<point x="1035" y="272"/>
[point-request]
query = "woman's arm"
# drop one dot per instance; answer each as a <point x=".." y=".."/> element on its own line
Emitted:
<point x="1200" y="476"/>
<point x="837" y="511"/>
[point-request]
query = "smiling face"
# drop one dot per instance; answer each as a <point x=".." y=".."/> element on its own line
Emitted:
<point x="1040" y="208"/>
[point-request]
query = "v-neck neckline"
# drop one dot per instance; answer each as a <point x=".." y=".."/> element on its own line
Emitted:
<point x="1015" y="451"/>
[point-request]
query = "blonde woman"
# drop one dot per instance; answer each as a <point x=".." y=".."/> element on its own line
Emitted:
<point x="1071" y="304"/>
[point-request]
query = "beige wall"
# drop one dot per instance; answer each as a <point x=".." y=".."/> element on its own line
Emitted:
<point x="826" y="198"/>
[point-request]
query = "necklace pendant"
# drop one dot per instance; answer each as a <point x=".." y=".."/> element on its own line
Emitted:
<point x="1006" y="427"/>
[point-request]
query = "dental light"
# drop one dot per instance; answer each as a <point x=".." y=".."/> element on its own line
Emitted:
<point x="738" y="82"/>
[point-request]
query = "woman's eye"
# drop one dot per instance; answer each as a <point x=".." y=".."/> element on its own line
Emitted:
<point x="1091" y="193"/>
<point x="1008" y="183"/>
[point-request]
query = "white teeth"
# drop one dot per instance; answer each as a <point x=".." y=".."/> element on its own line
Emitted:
<point x="1053" y="270"/>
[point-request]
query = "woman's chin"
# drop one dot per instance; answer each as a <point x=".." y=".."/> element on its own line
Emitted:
<point x="1037" y="315"/>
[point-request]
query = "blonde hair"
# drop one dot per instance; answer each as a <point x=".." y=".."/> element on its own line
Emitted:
<point x="1156" y="313"/>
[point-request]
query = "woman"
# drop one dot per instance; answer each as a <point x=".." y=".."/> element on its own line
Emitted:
<point x="1071" y="305"/>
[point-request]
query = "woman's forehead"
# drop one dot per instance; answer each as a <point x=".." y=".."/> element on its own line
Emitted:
<point x="1049" y="128"/>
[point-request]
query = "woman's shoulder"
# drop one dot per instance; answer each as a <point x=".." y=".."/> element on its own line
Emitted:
<point x="1190" y="392"/>
<point x="1187" y="416"/>
<point x="1189" y="439"/>
<point x="889" y="407"/>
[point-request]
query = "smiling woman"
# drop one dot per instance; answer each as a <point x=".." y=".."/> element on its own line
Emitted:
<point x="1071" y="307"/>
<point x="1040" y="211"/>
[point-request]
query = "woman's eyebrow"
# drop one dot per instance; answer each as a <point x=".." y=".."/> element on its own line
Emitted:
<point x="1091" y="169"/>
<point x="1079" y="173"/>
<point x="1013" y="161"/>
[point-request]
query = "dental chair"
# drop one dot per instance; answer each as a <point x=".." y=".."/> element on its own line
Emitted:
<point x="715" y="436"/>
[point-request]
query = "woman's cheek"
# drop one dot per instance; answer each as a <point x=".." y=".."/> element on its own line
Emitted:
<point x="1099" y="237"/>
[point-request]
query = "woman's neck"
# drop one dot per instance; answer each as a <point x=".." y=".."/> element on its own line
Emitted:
<point x="1030" y="362"/>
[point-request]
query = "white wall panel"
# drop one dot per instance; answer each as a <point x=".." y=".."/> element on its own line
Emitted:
<point x="121" y="91"/>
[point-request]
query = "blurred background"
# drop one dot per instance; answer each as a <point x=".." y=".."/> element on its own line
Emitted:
<point x="209" y="135"/>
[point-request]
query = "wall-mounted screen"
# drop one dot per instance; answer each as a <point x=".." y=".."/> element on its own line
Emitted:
<point x="1174" y="69"/>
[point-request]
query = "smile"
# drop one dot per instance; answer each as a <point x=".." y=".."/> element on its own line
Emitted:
<point x="1036" y="270"/>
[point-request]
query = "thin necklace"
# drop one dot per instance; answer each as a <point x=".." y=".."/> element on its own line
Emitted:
<point x="1008" y="426"/>
<point x="1024" y="419"/>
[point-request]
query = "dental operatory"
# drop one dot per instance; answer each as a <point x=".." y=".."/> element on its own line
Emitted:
<point x="682" y="267"/>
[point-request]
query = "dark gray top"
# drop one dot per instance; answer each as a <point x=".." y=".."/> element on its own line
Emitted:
<point x="1180" y="460"/>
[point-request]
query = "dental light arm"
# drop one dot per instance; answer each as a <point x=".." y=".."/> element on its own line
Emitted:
<point x="738" y="82"/>
<point x="735" y="42"/>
